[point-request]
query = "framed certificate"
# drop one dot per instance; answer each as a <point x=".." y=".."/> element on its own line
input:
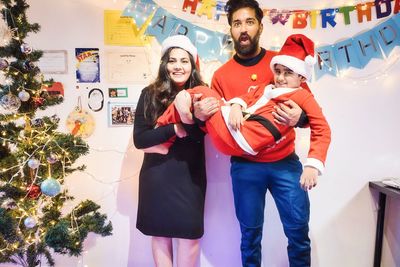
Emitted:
<point x="53" y="62"/>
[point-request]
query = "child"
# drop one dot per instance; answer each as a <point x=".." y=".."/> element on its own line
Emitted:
<point x="236" y="135"/>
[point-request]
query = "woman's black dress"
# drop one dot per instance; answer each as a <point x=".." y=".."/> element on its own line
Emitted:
<point x="171" y="187"/>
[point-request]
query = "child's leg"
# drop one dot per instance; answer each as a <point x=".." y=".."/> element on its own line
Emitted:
<point x="183" y="102"/>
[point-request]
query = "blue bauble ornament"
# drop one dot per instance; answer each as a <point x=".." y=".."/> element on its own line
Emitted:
<point x="50" y="187"/>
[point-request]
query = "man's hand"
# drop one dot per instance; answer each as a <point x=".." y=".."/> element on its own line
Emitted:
<point x="203" y="109"/>
<point x="287" y="113"/>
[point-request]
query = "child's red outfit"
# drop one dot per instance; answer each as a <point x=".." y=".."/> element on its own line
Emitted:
<point x="259" y="131"/>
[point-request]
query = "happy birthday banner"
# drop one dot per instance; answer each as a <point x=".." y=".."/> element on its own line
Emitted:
<point x="355" y="52"/>
<point x="301" y="18"/>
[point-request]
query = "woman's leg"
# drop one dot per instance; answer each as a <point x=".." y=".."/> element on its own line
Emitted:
<point x="188" y="251"/>
<point x="162" y="251"/>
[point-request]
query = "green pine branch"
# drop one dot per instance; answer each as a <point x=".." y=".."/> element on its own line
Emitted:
<point x="25" y="138"/>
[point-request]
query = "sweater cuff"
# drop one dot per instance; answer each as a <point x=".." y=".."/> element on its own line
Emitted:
<point x="316" y="163"/>
<point x="239" y="101"/>
<point x="303" y="120"/>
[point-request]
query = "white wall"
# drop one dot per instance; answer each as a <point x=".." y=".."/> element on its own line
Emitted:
<point x="362" y="112"/>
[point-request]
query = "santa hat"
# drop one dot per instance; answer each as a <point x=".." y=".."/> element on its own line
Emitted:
<point x="180" y="41"/>
<point x="297" y="54"/>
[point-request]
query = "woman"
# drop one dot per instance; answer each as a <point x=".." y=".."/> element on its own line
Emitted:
<point x="172" y="183"/>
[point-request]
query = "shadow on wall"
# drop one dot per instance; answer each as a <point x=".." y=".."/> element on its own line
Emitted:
<point x="139" y="252"/>
<point x="221" y="241"/>
<point x="353" y="224"/>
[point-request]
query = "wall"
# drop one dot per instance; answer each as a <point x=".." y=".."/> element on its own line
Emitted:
<point x="362" y="108"/>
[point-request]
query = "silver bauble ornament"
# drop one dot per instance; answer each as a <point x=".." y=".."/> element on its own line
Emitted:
<point x="30" y="222"/>
<point x="10" y="102"/>
<point x="26" y="49"/>
<point x="33" y="163"/>
<point x="52" y="158"/>
<point x="3" y="64"/>
<point x="24" y="96"/>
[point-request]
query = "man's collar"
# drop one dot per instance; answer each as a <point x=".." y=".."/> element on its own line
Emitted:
<point x="250" y="61"/>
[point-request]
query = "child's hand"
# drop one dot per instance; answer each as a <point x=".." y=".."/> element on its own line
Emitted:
<point x="179" y="130"/>
<point x="236" y="117"/>
<point x="308" y="178"/>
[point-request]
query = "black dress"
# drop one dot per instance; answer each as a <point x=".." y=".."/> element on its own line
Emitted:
<point x="171" y="187"/>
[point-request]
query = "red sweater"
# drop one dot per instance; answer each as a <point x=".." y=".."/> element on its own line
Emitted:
<point x="234" y="79"/>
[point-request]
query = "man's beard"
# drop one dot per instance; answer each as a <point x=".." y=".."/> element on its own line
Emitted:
<point x="247" y="50"/>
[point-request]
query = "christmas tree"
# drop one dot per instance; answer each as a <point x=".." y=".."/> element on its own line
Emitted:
<point x="35" y="158"/>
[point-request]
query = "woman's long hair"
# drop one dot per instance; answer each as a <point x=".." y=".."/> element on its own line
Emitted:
<point x="162" y="91"/>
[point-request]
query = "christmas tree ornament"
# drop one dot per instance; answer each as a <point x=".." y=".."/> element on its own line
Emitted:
<point x="28" y="65"/>
<point x="54" y="90"/>
<point x="10" y="102"/>
<point x="33" y="163"/>
<point x="6" y="33"/>
<point x="12" y="147"/>
<point x="54" y="119"/>
<point x="30" y="204"/>
<point x="24" y="96"/>
<point x="29" y="222"/>
<point x="26" y="49"/>
<point x="38" y="101"/>
<point x="4" y="64"/>
<point x="50" y="187"/>
<point x="8" y="203"/>
<point x="52" y="158"/>
<point x="38" y="122"/>
<point x="33" y="191"/>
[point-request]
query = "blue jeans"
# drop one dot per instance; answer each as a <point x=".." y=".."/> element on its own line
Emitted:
<point x="250" y="181"/>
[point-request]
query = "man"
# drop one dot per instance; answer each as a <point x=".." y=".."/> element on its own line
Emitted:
<point x="251" y="175"/>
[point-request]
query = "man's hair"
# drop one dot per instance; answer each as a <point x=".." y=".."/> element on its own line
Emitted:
<point x="234" y="5"/>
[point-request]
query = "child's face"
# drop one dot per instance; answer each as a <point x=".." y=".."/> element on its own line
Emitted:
<point x="285" y="77"/>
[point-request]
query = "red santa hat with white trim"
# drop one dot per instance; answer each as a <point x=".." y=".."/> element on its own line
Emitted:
<point x="297" y="54"/>
<point x="183" y="42"/>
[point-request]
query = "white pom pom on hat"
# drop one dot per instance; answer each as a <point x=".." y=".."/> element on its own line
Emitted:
<point x="180" y="41"/>
<point x="297" y="54"/>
